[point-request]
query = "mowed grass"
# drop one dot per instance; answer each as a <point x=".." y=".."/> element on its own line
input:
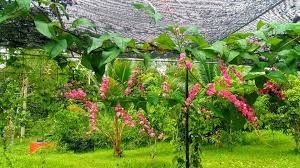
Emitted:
<point x="266" y="151"/>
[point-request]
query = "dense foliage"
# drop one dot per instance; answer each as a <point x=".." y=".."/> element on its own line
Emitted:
<point x="102" y="98"/>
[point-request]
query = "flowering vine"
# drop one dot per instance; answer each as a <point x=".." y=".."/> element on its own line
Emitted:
<point x="188" y="65"/>
<point x="238" y="74"/>
<point x="224" y="72"/>
<point x="104" y="87"/>
<point x="122" y="113"/>
<point x="181" y="59"/>
<point x="274" y="88"/>
<point x="131" y="82"/>
<point x="241" y="105"/>
<point x="79" y="94"/>
<point x="147" y="127"/>
<point x="191" y="96"/>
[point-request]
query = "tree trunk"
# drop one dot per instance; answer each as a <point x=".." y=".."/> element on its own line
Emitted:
<point x="117" y="139"/>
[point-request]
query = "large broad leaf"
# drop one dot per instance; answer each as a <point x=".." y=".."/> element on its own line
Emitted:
<point x="109" y="56"/>
<point x="83" y="22"/>
<point x="218" y="47"/>
<point x="253" y="75"/>
<point x="120" y="41"/>
<point x="9" y="12"/>
<point x="198" y="39"/>
<point x="24" y="5"/>
<point x="120" y="71"/>
<point x="96" y="43"/>
<point x="165" y="42"/>
<point x="277" y="76"/>
<point x="232" y="55"/>
<point x="45" y="28"/>
<point x="55" y="48"/>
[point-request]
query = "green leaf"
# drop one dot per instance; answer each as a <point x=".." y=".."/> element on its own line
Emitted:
<point x="149" y="10"/>
<point x="243" y="43"/>
<point x="260" y="34"/>
<point x="24" y="5"/>
<point x="147" y="60"/>
<point x="138" y="6"/>
<point x="218" y="47"/>
<point x="96" y="43"/>
<point x="232" y="55"/>
<point x="277" y="76"/>
<point x="259" y="25"/>
<point x="197" y="39"/>
<point x="55" y="48"/>
<point x="120" y="41"/>
<point x="83" y="22"/>
<point x="165" y="42"/>
<point x="45" y="28"/>
<point x="109" y="56"/>
<point x="253" y="75"/>
<point x="9" y="12"/>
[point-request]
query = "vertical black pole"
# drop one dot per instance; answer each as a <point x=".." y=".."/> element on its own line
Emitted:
<point x="187" y="143"/>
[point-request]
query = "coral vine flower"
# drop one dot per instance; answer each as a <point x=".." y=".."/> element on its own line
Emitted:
<point x="241" y="105"/>
<point x="192" y="95"/>
<point x="225" y="74"/>
<point x="211" y="89"/>
<point x="131" y="82"/>
<point x="78" y="94"/>
<point x="161" y="136"/>
<point x="104" y="87"/>
<point x="238" y="75"/>
<point x="272" y="87"/>
<point x="181" y="59"/>
<point x="92" y="108"/>
<point x="122" y="113"/>
<point x="188" y="65"/>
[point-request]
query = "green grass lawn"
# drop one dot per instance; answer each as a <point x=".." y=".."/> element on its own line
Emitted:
<point x="267" y="151"/>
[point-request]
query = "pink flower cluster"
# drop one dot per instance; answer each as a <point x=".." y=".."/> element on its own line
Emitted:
<point x="165" y="88"/>
<point x="93" y="109"/>
<point x="104" y="87"/>
<point x="272" y="87"/>
<point x="146" y="127"/>
<point x="78" y="94"/>
<point x="188" y="65"/>
<point x="131" y="82"/>
<point x="225" y="74"/>
<point x="211" y="89"/>
<point x="192" y="95"/>
<point x="122" y="113"/>
<point x="238" y="74"/>
<point x="241" y="105"/>
<point x="181" y="59"/>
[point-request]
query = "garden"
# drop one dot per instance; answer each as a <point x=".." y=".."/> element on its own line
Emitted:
<point x="74" y="97"/>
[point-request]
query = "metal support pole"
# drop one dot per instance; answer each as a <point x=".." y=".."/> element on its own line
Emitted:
<point x="187" y="142"/>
